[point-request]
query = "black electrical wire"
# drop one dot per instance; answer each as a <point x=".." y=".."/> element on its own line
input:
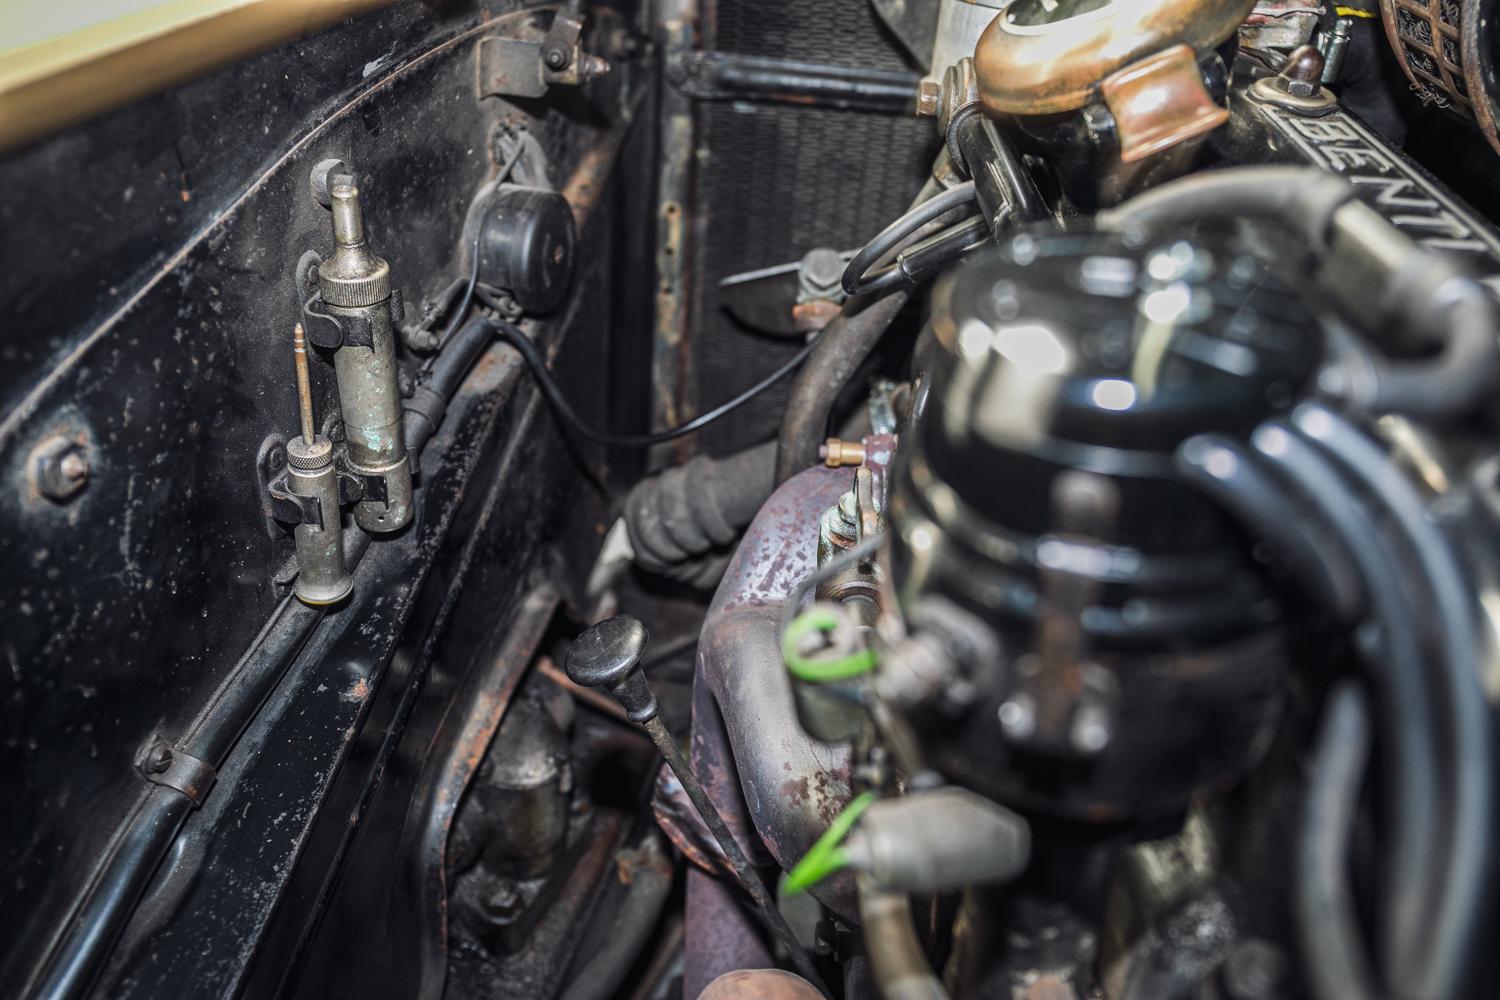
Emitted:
<point x="1394" y="656"/>
<point x="1216" y="465"/>
<point x="855" y="280"/>
<point x="1447" y="934"/>
<point x="468" y="297"/>
<point x="533" y="357"/>
<point x="1327" y="921"/>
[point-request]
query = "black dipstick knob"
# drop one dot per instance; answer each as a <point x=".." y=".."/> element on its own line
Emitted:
<point x="608" y="655"/>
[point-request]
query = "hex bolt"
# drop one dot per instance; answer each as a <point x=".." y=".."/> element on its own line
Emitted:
<point x="60" y="467"/>
<point x="837" y="452"/>
<point x="820" y="271"/>
<point x="1254" y="970"/>
<point x="929" y="94"/>
<point x="593" y="68"/>
<point x="1302" y="75"/>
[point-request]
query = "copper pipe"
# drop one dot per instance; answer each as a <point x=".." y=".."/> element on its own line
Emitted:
<point x="588" y="696"/>
<point x="304" y="383"/>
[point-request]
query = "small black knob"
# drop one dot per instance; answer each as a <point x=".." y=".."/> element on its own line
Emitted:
<point x="608" y="655"/>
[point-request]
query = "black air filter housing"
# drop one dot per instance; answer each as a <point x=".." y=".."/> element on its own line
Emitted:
<point x="1038" y="493"/>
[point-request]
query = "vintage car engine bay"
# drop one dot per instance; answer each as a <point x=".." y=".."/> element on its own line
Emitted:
<point x="738" y="499"/>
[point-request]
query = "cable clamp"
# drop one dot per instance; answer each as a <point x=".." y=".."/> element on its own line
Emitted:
<point x="164" y="764"/>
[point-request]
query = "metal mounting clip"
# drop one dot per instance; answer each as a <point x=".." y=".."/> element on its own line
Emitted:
<point x="164" y="764"/>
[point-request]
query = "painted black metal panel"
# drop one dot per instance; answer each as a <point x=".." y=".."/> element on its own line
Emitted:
<point x="146" y="307"/>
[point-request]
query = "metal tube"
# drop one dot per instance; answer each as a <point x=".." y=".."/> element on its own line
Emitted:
<point x="322" y="576"/>
<point x="348" y="220"/>
<point x="304" y="383"/>
<point x="356" y="289"/>
<point x="748" y="878"/>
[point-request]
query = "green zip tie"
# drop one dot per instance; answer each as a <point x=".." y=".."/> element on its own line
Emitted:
<point x="815" y="671"/>
<point x="826" y="856"/>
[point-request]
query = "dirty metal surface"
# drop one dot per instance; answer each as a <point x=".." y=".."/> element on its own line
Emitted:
<point x="147" y="315"/>
<point x="603" y="751"/>
<point x="775" y="181"/>
<point x="792" y="786"/>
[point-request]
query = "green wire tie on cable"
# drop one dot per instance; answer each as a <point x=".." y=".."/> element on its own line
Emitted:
<point x="827" y="855"/>
<point x="816" y="671"/>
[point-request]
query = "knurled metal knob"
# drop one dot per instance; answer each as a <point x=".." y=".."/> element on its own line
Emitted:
<point x="353" y="277"/>
<point x="309" y="457"/>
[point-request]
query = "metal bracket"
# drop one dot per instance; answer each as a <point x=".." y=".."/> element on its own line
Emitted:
<point x="164" y="764"/>
<point x="730" y="76"/>
<point x="293" y="508"/>
<point x="270" y="465"/>
<point x="334" y="331"/>
<point x="527" y="67"/>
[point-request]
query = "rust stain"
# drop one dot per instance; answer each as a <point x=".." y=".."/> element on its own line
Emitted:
<point x="358" y="691"/>
<point x="585" y="187"/>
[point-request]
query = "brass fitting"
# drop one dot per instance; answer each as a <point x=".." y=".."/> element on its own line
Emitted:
<point x="837" y="452"/>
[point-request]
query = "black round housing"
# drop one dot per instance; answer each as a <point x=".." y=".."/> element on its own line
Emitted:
<point x="526" y="246"/>
<point x="1036" y="491"/>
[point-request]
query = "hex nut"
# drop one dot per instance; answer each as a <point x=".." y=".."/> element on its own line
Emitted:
<point x="929" y="93"/>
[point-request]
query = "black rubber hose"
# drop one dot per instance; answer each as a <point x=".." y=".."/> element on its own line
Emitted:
<point x="841" y="348"/>
<point x="626" y="936"/>
<point x="844" y="345"/>
<point x="1392" y="650"/>
<point x="683" y="521"/>
<point x="1327" y="922"/>
<point x="1447" y="935"/>
<point x="1464" y="372"/>
<point x="1304" y="198"/>
<point x="425" y="408"/>
<point x="1446" y="307"/>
